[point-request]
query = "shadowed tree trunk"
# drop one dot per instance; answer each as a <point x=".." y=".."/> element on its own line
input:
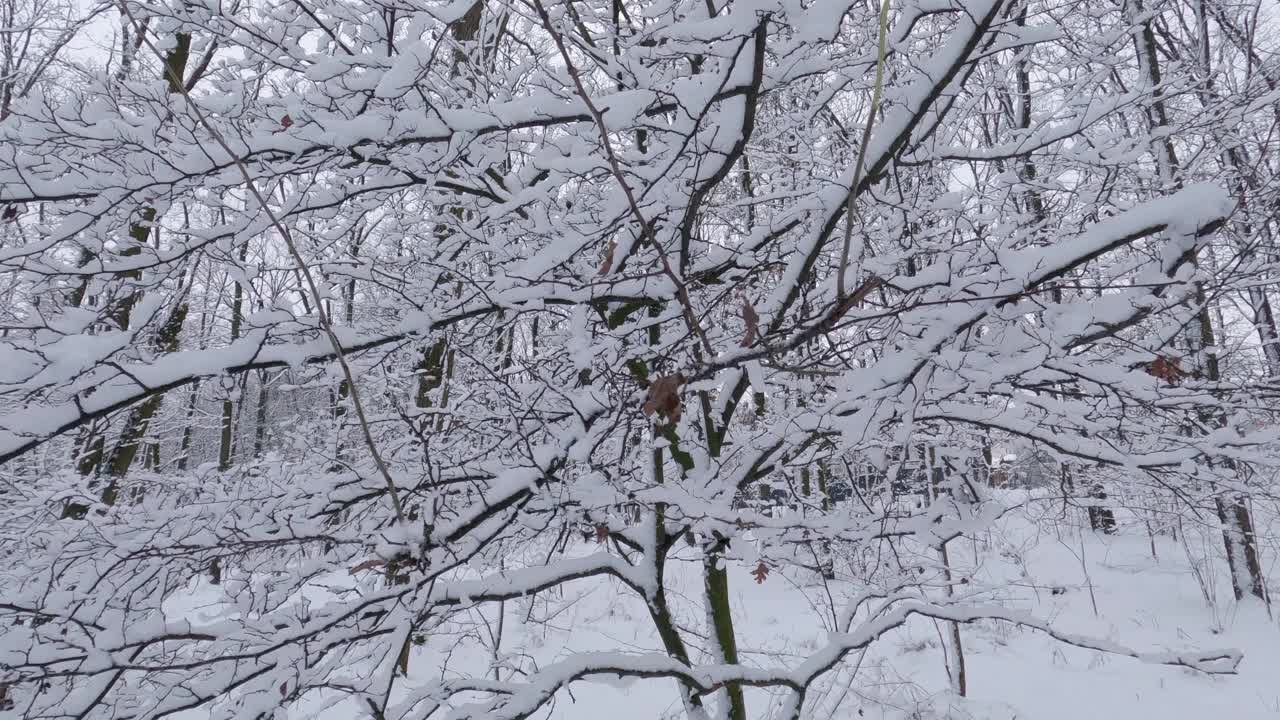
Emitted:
<point x="167" y="338"/>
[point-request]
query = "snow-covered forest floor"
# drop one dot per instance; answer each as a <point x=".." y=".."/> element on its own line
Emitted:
<point x="1142" y="587"/>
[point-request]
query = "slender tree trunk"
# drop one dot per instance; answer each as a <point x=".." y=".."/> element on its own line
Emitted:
<point x="89" y="444"/>
<point x="1265" y="322"/>
<point x="184" y="451"/>
<point x="436" y="363"/>
<point x="715" y="574"/>
<point x="139" y="422"/>
<point x="168" y="336"/>
<point x="659" y="610"/>
<point x="226" y="442"/>
<point x="1101" y="517"/>
<point x="226" y="439"/>
<point x="959" y="676"/>
<point x="720" y="616"/>
<point x="1238" y="535"/>
<point x="260" y="416"/>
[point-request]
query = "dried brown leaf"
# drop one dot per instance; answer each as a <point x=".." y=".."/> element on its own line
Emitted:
<point x="664" y="397"/>
<point x="760" y="573"/>
<point x="607" y="265"/>
<point x="1167" y="369"/>
<point x="752" y="320"/>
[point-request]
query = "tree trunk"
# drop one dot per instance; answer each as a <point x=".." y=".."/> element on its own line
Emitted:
<point x="260" y="416"/>
<point x="169" y="335"/>
<point x="956" y="668"/>
<point x="226" y="443"/>
<point x="139" y="422"/>
<point x="720" y="617"/>
<point x="1233" y="511"/>
<point x="1101" y="518"/>
<point x="184" y="451"/>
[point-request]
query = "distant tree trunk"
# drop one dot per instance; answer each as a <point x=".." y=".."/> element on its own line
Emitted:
<point x="260" y="418"/>
<point x="139" y="421"/>
<point x="1101" y="518"/>
<point x="226" y="443"/>
<point x="436" y="364"/>
<point x="1236" y="157"/>
<point x="226" y="440"/>
<point x="132" y="437"/>
<point x="184" y="451"/>
<point x="988" y="462"/>
<point x="89" y="444"/>
<point x="121" y="315"/>
<point x="90" y="452"/>
<point x="959" y="676"/>
<point x="169" y="335"/>
<point x="75" y="298"/>
<point x="1265" y="322"/>
<point x="430" y="371"/>
<point x="1238" y="536"/>
<point x="1233" y="511"/>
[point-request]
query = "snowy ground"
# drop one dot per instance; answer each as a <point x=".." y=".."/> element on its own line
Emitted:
<point x="1146" y="602"/>
<point x="1151" y="594"/>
